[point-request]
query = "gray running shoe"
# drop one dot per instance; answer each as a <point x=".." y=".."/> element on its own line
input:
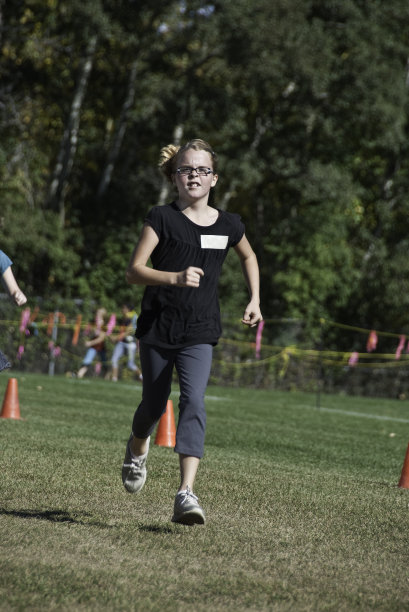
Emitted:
<point x="187" y="509"/>
<point x="133" y="470"/>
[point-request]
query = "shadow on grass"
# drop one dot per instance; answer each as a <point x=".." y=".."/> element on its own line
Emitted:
<point x="75" y="518"/>
<point x="155" y="529"/>
<point x="55" y="516"/>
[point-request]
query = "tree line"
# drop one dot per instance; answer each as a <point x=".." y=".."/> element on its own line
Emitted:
<point x="304" y="101"/>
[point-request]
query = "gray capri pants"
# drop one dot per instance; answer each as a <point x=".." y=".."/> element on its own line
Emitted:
<point x="193" y="365"/>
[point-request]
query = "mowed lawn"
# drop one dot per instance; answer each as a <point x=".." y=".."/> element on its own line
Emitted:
<point x="302" y="503"/>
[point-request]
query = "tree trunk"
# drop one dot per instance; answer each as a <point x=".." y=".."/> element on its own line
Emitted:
<point x="68" y="147"/>
<point x="164" y="192"/>
<point x="119" y="133"/>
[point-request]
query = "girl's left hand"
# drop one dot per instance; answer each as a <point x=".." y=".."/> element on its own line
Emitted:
<point x="252" y="315"/>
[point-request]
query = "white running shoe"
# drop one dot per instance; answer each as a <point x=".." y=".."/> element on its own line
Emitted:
<point x="187" y="509"/>
<point x="133" y="470"/>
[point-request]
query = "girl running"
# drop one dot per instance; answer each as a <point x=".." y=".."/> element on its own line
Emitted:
<point x="187" y="242"/>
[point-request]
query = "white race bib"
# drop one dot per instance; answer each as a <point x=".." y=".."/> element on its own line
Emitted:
<point x="213" y="242"/>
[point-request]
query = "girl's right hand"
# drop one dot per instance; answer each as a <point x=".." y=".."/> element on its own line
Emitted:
<point x="189" y="277"/>
<point x="19" y="298"/>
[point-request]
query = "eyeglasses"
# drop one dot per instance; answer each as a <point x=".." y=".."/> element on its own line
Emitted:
<point x="201" y="170"/>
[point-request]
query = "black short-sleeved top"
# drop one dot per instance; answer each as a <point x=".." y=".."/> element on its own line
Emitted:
<point x="175" y="317"/>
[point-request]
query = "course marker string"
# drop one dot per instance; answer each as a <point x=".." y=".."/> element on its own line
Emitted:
<point x="328" y="357"/>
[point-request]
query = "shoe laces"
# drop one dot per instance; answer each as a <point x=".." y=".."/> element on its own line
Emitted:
<point x="187" y="495"/>
<point x="136" y="465"/>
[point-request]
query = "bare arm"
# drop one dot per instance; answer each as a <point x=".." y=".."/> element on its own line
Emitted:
<point x="100" y="338"/>
<point x="128" y="331"/>
<point x="13" y="288"/>
<point x="138" y="273"/>
<point x="252" y="314"/>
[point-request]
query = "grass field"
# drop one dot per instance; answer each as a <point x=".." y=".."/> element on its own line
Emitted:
<point x="302" y="503"/>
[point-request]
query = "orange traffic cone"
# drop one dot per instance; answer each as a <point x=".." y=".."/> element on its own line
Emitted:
<point x="11" y="406"/>
<point x="404" y="479"/>
<point x="166" y="432"/>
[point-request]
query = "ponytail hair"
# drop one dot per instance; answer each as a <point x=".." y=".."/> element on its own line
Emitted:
<point x="170" y="154"/>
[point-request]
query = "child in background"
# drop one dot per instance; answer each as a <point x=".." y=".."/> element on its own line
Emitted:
<point x="187" y="242"/>
<point x="14" y="291"/>
<point x="125" y="343"/>
<point x="96" y="345"/>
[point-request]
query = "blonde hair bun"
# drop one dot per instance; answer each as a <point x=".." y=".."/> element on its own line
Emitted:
<point x="167" y="153"/>
<point x="166" y="157"/>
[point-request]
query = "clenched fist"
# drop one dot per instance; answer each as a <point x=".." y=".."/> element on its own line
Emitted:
<point x="189" y="277"/>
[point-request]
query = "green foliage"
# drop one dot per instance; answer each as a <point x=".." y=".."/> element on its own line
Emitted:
<point x="305" y="102"/>
<point x="105" y="280"/>
<point x="315" y="270"/>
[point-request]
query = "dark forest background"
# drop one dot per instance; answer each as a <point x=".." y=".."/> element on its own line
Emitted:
<point x="305" y="102"/>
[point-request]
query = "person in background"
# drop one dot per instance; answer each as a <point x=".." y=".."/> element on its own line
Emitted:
<point x="96" y="344"/>
<point x="125" y="343"/>
<point x="187" y="242"/>
<point x="9" y="281"/>
<point x="13" y="290"/>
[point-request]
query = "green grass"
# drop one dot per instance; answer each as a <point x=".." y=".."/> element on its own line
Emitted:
<point x="302" y="504"/>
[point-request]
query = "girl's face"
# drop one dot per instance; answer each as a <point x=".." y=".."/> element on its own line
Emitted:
<point x="192" y="185"/>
